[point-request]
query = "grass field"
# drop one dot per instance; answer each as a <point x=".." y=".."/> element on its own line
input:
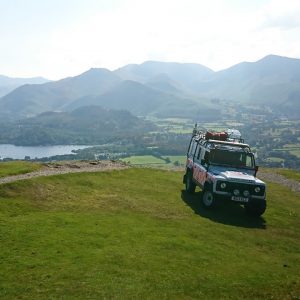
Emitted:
<point x="275" y="159"/>
<point x="143" y="160"/>
<point x="152" y="160"/>
<point x="17" y="167"/>
<point x="291" y="174"/>
<point x="180" y="158"/>
<point x="291" y="148"/>
<point x="134" y="234"/>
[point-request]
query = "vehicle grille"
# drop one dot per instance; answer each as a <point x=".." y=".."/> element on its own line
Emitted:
<point x="230" y="186"/>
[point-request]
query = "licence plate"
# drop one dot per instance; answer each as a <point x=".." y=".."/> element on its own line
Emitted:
<point x="239" y="199"/>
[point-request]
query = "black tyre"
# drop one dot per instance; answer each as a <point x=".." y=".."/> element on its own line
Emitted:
<point x="208" y="198"/>
<point x="256" y="207"/>
<point x="189" y="184"/>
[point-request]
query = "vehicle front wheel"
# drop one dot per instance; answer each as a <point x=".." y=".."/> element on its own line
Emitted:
<point x="189" y="184"/>
<point x="208" y="199"/>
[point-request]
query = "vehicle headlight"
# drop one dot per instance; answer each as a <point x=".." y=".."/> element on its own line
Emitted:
<point x="236" y="192"/>
<point x="223" y="185"/>
<point x="257" y="189"/>
<point x="246" y="193"/>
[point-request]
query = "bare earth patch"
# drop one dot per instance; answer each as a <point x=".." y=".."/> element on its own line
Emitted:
<point x="68" y="167"/>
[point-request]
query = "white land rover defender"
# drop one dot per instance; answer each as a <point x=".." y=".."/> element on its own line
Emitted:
<point x="223" y="166"/>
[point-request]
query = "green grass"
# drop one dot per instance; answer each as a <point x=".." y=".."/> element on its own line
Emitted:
<point x="295" y="152"/>
<point x="291" y="174"/>
<point x="215" y="126"/>
<point x="291" y="146"/>
<point x="292" y="149"/>
<point x="275" y="159"/>
<point x="17" y="167"/>
<point x="133" y="234"/>
<point x="180" y="158"/>
<point x="233" y="124"/>
<point x="181" y="130"/>
<point x="148" y="160"/>
<point x="143" y="160"/>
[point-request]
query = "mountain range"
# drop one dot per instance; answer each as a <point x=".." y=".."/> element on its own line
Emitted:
<point x="8" y="84"/>
<point x="165" y="89"/>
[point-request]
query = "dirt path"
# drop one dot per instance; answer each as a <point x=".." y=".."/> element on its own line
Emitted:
<point x="277" y="178"/>
<point x="68" y="167"/>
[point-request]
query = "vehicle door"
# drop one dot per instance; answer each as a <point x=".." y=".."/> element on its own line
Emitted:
<point x="199" y="170"/>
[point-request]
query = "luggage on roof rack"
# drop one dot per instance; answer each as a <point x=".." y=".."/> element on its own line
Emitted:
<point x="229" y="135"/>
<point x="219" y="136"/>
<point x="234" y="135"/>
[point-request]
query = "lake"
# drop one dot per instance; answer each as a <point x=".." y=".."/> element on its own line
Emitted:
<point x="19" y="152"/>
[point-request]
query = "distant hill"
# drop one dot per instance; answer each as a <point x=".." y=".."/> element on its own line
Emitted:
<point x="269" y="81"/>
<point x="29" y="100"/>
<point x="164" y="83"/>
<point x="165" y="89"/>
<point x="291" y="106"/>
<point x="8" y="84"/>
<point x="85" y="125"/>
<point x="143" y="100"/>
<point x="184" y="74"/>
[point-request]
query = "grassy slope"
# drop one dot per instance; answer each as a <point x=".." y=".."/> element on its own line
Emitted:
<point x="134" y="234"/>
<point x="292" y="174"/>
<point x="17" y="167"/>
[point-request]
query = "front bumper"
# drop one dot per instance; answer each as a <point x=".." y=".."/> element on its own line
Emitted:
<point x="239" y="192"/>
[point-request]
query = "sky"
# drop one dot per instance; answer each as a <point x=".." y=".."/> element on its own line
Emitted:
<point x="61" y="38"/>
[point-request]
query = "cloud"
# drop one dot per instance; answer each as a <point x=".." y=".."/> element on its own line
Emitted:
<point x="284" y="15"/>
<point x="216" y="33"/>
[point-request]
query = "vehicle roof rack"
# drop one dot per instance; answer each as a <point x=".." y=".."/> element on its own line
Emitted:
<point x="229" y="137"/>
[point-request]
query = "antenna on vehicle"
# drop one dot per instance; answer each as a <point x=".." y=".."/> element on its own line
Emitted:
<point x="195" y="130"/>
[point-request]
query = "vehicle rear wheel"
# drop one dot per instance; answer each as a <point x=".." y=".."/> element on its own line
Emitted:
<point x="189" y="184"/>
<point x="208" y="199"/>
<point x="256" y="208"/>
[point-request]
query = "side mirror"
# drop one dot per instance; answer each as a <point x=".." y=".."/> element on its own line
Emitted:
<point x="256" y="169"/>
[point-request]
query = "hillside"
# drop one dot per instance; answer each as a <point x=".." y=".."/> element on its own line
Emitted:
<point x="8" y="84"/>
<point x="135" y="234"/>
<point x="271" y="80"/>
<point x="84" y="125"/>
<point x="30" y="100"/>
<point x="185" y="75"/>
<point x="166" y="89"/>
<point x="143" y="100"/>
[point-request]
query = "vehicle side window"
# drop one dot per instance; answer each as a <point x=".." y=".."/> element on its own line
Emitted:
<point x="199" y="152"/>
<point x="206" y="157"/>
<point x="192" y="148"/>
<point x="249" y="161"/>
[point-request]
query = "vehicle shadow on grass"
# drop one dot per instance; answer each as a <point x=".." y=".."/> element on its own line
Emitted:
<point x="225" y="212"/>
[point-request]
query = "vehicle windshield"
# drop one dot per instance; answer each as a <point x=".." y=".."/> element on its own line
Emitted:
<point x="232" y="158"/>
